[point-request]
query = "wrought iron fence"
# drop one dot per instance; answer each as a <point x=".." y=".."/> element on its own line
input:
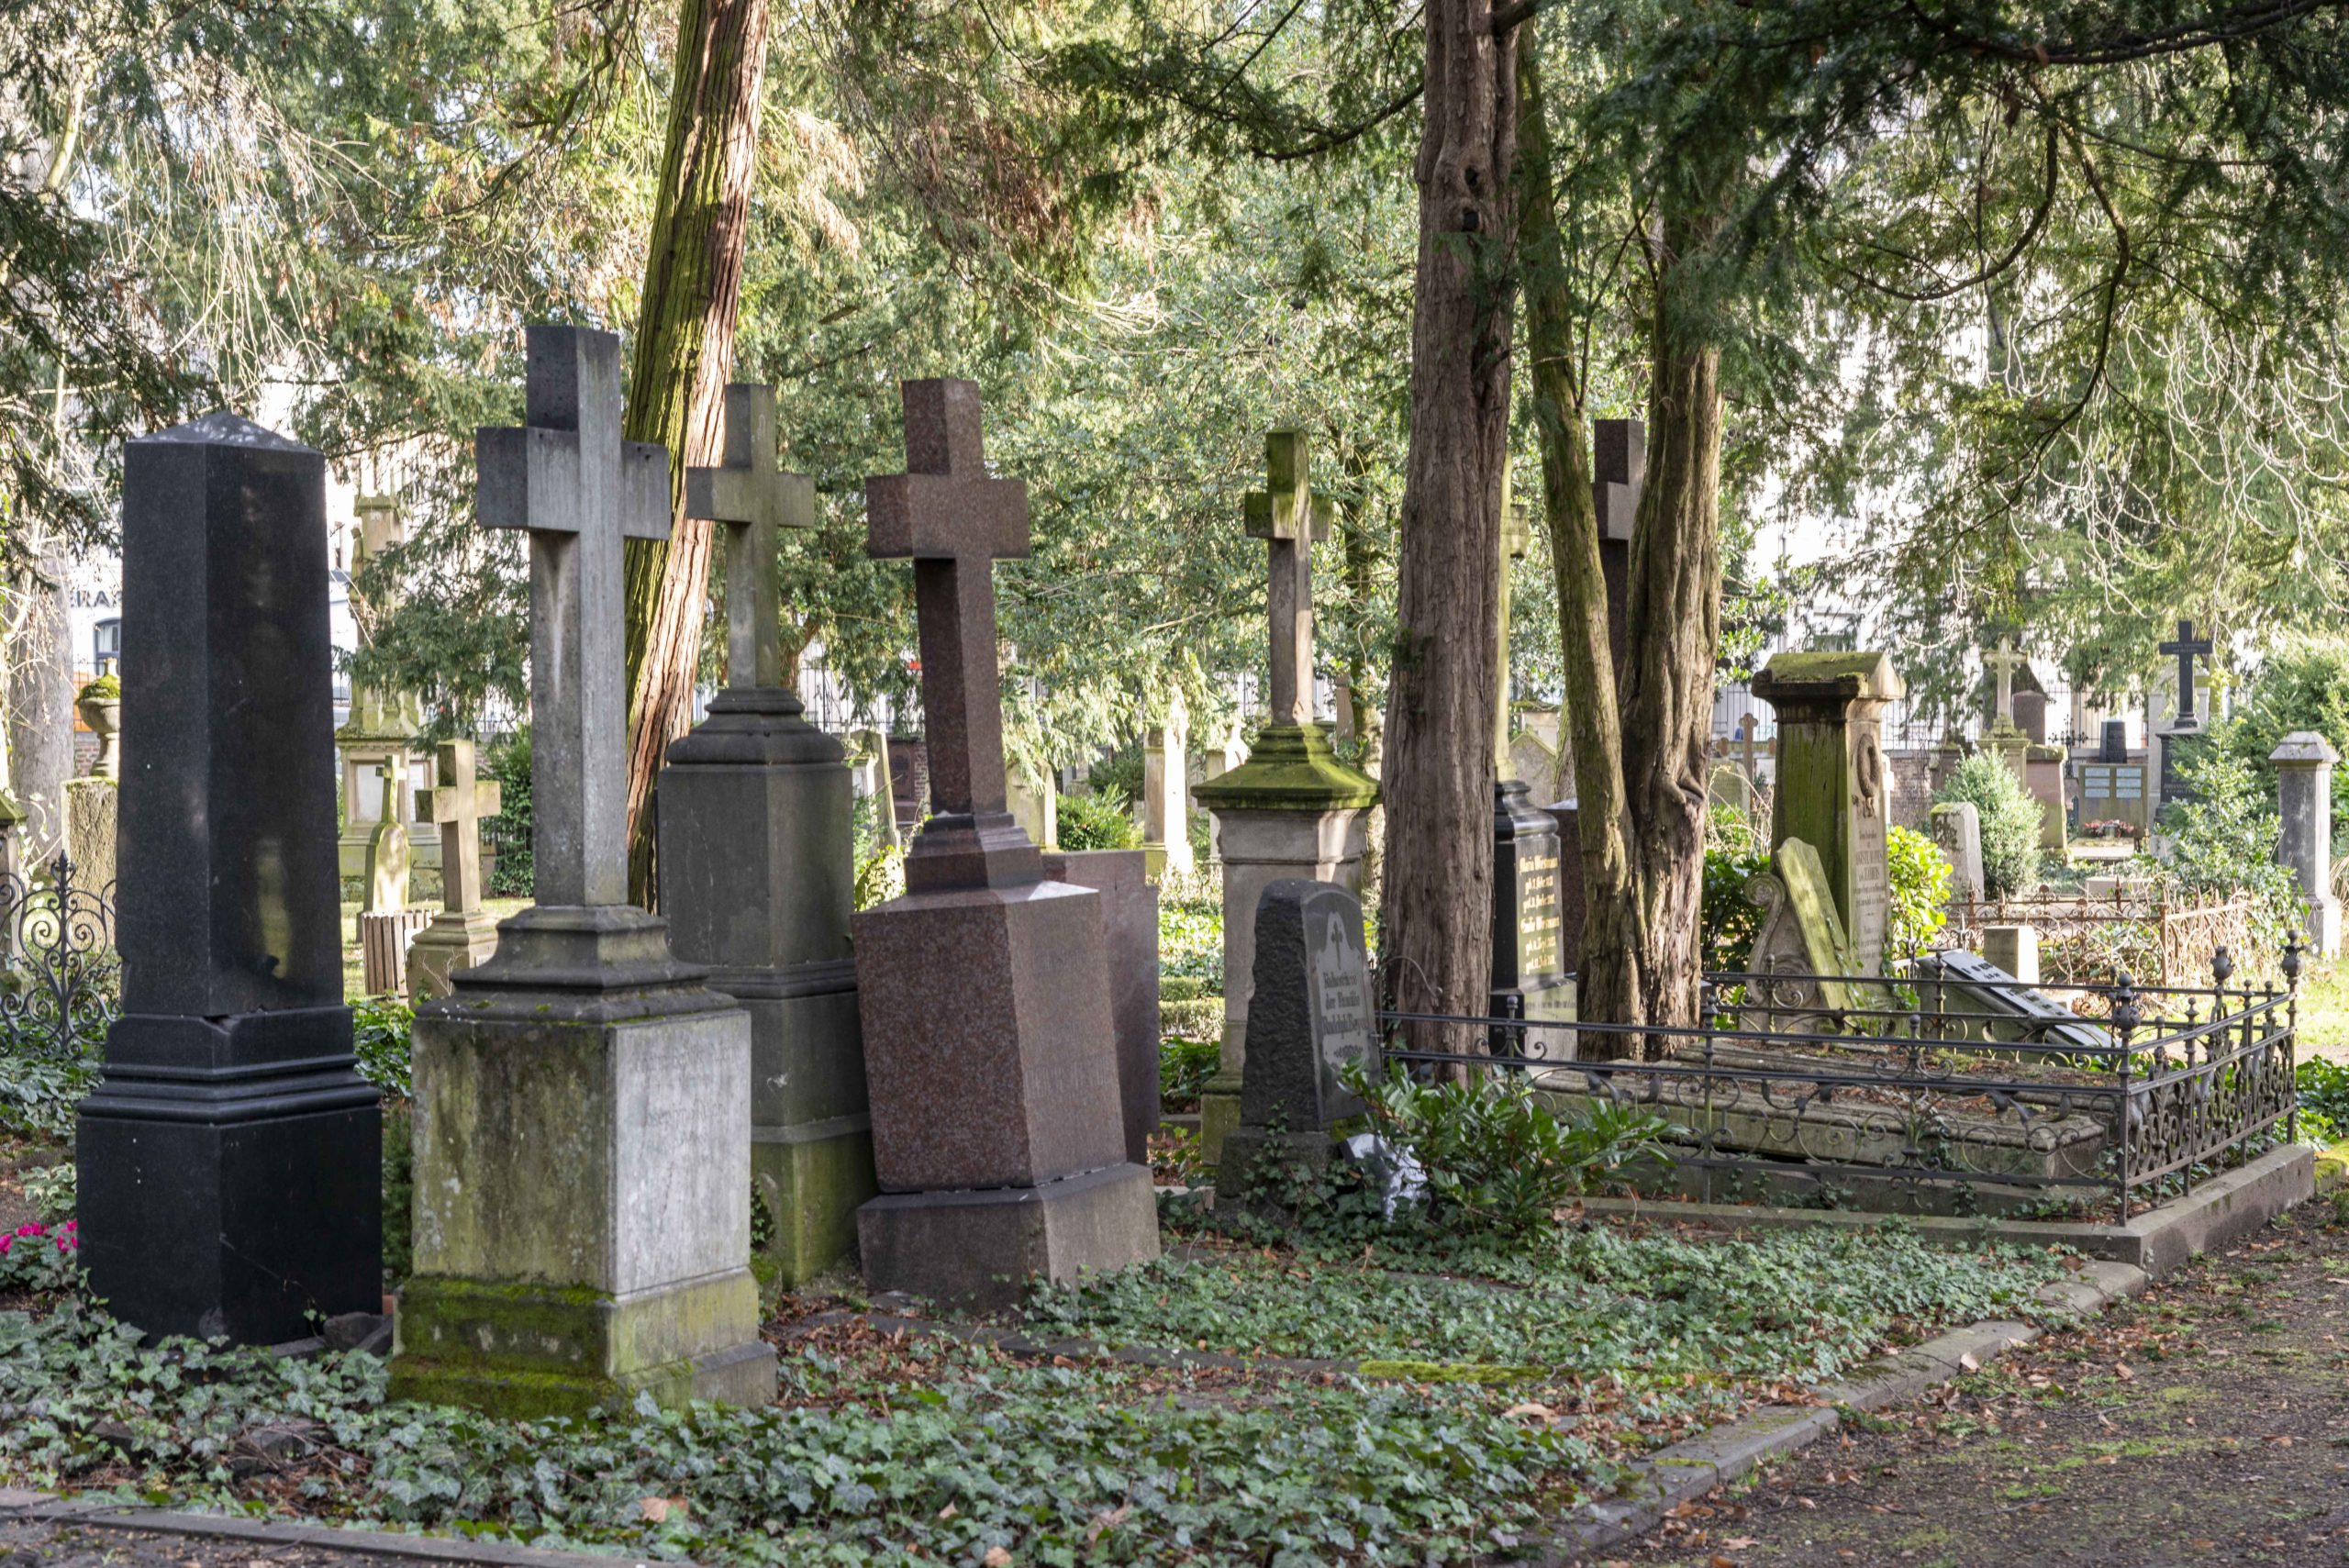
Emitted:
<point x="1921" y="1093"/>
<point x="2141" y="931"/>
<point x="60" y="978"/>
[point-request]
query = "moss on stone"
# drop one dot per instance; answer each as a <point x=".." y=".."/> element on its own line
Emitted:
<point x="812" y="1190"/>
<point x="1289" y="768"/>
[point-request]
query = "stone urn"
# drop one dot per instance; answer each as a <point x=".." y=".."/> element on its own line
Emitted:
<point x="104" y="715"/>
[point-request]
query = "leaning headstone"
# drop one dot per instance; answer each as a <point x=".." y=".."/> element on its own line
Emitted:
<point x="997" y="1133"/>
<point x="1292" y="809"/>
<point x="1129" y="947"/>
<point x="757" y="877"/>
<point x="2006" y="1005"/>
<point x="1801" y="938"/>
<point x="230" y="1159"/>
<point x="461" y="936"/>
<point x="1311" y="1020"/>
<point x="1830" y="790"/>
<point x="583" y="1223"/>
<point x="1530" y="980"/>
<point x="2304" y="787"/>
<point x="1957" y="831"/>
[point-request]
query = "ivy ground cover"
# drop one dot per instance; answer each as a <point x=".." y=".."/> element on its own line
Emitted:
<point x="1480" y="1405"/>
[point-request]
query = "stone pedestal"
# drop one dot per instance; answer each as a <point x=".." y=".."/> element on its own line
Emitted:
<point x="1129" y="946"/>
<point x="757" y="881"/>
<point x="1530" y="979"/>
<point x="1291" y="811"/>
<point x="1167" y="798"/>
<point x="1830" y="790"/>
<point x="2013" y="949"/>
<point x="2304" y="765"/>
<point x="230" y="1161"/>
<point x="91" y="814"/>
<point x="454" y="940"/>
<point x="582" y="1221"/>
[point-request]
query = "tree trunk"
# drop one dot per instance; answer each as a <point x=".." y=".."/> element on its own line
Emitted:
<point x="40" y="705"/>
<point x="1437" y="772"/>
<point x="684" y="354"/>
<point x="1361" y="552"/>
<point x="1640" y="733"/>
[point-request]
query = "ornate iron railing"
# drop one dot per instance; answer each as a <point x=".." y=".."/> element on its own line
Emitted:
<point x="2140" y="931"/>
<point x="60" y="978"/>
<point x="1925" y="1093"/>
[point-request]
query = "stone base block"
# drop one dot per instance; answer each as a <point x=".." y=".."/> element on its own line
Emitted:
<point x="452" y="943"/>
<point x="980" y="1249"/>
<point x="812" y="1178"/>
<point x="1257" y="1160"/>
<point x="529" y="1352"/>
<point x="1218" y="1114"/>
<point x="2324" y="928"/>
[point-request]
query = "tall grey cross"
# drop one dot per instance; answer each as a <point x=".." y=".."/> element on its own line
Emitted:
<point x="580" y="491"/>
<point x="754" y="499"/>
<point x="2003" y="662"/>
<point x="460" y="800"/>
<point x="1287" y="517"/>
<point x="2186" y="646"/>
<point x="956" y="523"/>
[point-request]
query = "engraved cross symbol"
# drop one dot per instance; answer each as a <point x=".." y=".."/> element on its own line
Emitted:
<point x="754" y="499"/>
<point x="580" y="491"/>
<point x="1287" y="517"/>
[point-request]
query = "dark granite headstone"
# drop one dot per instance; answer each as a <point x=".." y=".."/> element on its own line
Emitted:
<point x="1309" y="1017"/>
<point x="230" y="1161"/>
<point x="2113" y="746"/>
<point x="1130" y="944"/>
<point x="2018" y="1012"/>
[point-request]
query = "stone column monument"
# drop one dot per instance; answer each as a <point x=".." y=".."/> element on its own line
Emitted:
<point x="582" y="1130"/>
<point x="1292" y="810"/>
<point x="231" y="1160"/>
<point x="756" y="873"/>
<point x="382" y="729"/>
<point x="997" y="1136"/>
<point x="1830" y="790"/>
<point x="1166" y="793"/>
<point x="1529" y="978"/>
<point x="2304" y="787"/>
<point x="461" y="936"/>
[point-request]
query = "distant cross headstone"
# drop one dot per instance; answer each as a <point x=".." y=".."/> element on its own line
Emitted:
<point x="754" y="499"/>
<point x="2184" y="646"/>
<point x="568" y="478"/>
<point x="384" y="887"/>
<point x="956" y="523"/>
<point x="1286" y="516"/>
<point x="2002" y="663"/>
<point x="460" y="800"/>
<point x="1747" y="727"/>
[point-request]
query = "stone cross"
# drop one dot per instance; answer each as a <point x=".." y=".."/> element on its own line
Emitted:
<point x="2186" y="646"/>
<point x="580" y="491"/>
<point x="1287" y="517"/>
<point x="2003" y="661"/>
<point x="956" y="523"/>
<point x="460" y="800"/>
<point x="754" y="499"/>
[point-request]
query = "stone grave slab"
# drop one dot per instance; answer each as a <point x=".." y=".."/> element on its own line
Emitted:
<point x="2021" y="1014"/>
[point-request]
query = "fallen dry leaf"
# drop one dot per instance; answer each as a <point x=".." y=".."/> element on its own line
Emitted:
<point x="996" y="1557"/>
<point x="2120" y="1370"/>
<point x="653" y="1511"/>
<point x="1970" y="1361"/>
<point x="1530" y="1408"/>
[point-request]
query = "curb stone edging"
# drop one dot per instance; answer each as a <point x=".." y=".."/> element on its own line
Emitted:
<point x="1688" y="1470"/>
<point x="92" y="1513"/>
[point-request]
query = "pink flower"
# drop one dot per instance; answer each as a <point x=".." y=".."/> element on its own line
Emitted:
<point x="31" y="1228"/>
<point x="5" y="1242"/>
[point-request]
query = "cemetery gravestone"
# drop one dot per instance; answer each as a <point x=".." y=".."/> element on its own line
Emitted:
<point x="1167" y="793"/>
<point x="1311" y="1019"/>
<point x="1830" y="786"/>
<point x="461" y="936"/>
<point x="1801" y="936"/>
<point x="582" y="1226"/>
<point x="1529" y="981"/>
<point x="2182" y="736"/>
<point x="2018" y="1012"/>
<point x="230" y="1159"/>
<point x="1129" y="947"/>
<point x="1957" y="829"/>
<point x="2013" y="950"/>
<point x="386" y="925"/>
<point x="2304" y="765"/>
<point x="1293" y="810"/>
<point x="1532" y="760"/>
<point x="997" y="1134"/>
<point x="757" y="877"/>
<point x="383" y="725"/>
<point x="383" y="883"/>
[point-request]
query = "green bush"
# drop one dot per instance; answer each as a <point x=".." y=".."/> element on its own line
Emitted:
<point x="2225" y="841"/>
<point x="399" y="1193"/>
<point x="880" y="864"/>
<point x="1096" y="822"/>
<point x="1735" y="852"/>
<point x="1919" y="879"/>
<point x="1493" y="1153"/>
<point x="509" y="831"/>
<point x="2323" y="1088"/>
<point x="380" y="1027"/>
<point x="2302" y="684"/>
<point x="1118" y="776"/>
<point x="2011" y="821"/>
<point x="1184" y="1068"/>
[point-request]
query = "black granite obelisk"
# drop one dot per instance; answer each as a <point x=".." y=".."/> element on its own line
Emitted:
<point x="230" y="1161"/>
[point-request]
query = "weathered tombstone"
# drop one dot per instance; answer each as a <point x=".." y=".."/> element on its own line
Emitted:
<point x="1529" y="981"/>
<point x="998" y="1132"/>
<point x="1033" y="798"/>
<point x="1830" y="786"/>
<point x="2013" y="949"/>
<point x="1167" y="793"/>
<point x="382" y="880"/>
<point x="2017" y="1013"/>
<point x="1293" y="810"/>
<point x="2182" y="736"/>
<point x="230" y="1159"/>
<point x="757" y="877"/>
<point x="1130" y="948"/>
<point x="582" y="1226"/>
<point x="461" y="936"/>
<point x="1957" y="830"/>
<point x="2304" y="789"/>
<point x="386" y="925"/>
<point x="1801" y="938"/>
<point x="1312" y="1019"/>
<point x="383" y="725"/>
<point x="1727" y="785"/>
<point x="1532" y="760"/>
<point x="1748" y="726"/>
<point x="2031" y="715"/>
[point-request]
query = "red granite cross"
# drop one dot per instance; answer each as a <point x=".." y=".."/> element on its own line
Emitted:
<point x="956" y="523"/>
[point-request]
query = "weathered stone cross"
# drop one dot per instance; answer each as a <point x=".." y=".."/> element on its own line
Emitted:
<point x="580" y="491"/>
<point x="1286" y="516"/>
<point x="2186" y="647"/>
<point x="2003" y="661"/>
<point x="460" y="800"/>
<point x="956" y="523"/>
<point x="754" y="499"/>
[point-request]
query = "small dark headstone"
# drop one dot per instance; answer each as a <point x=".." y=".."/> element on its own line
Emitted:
<point x="1309" y="1017"/>
<point x="2114" y="747"/>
